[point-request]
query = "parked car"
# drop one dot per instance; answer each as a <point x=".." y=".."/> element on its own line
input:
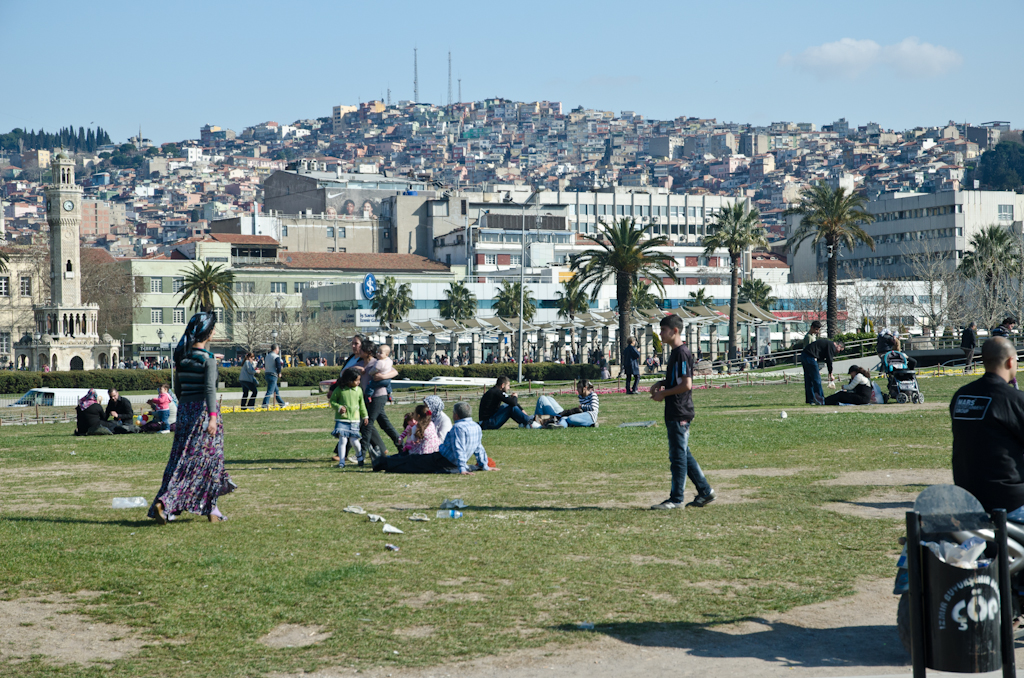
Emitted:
<point x="57" y="397"/>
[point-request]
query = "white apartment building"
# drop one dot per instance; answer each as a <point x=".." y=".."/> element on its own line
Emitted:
<point x="908" y="224"/>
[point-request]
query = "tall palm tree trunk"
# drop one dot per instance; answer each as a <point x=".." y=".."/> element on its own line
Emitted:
<point x="622" y="297"/>
<point x="832" y="304"/>
<point x="733" y="300"/>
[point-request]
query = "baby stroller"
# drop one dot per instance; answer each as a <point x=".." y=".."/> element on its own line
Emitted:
<point x="901" y="379"/>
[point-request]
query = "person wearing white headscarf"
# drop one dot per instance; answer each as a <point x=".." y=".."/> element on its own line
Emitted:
<point x="441" y="421"/>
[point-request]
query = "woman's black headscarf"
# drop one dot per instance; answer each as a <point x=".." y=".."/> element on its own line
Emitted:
<point x="199" y="326"/>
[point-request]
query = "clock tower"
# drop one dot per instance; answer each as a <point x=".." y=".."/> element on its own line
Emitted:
<point x="66" y="336"/>
<point x="64" y="215"/>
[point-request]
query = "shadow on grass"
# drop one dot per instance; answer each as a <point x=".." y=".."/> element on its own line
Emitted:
<point x="235" y="462"/>
<point x="84" y="521"/>
<point x="772" y="642"/>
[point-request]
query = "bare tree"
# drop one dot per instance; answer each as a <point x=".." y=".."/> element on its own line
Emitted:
<point x="330" y="331"/>
<point x="253" y="320"/>
<point x="942" y="303"/>
<point x="108" y="283"/>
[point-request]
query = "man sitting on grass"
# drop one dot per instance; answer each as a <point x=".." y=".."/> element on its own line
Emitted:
<point x="461" y="443"/>
<point x="498" y="405"/>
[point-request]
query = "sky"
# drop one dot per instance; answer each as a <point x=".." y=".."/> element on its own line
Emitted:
<point x="171" y="67"/>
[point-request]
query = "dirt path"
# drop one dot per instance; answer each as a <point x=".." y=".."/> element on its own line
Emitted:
<point x="854" y="636"/>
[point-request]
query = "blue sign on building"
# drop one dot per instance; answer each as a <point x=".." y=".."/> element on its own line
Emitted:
<point x="369" y="286"/>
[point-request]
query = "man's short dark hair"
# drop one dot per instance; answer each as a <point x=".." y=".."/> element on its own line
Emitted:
<point x="1009" y="320"/>
<point x="502" y="380"/>
<point x="816" y="325"/>
<point x="996" y="351"/>
<point x="673" y="321"/>
<point x="274" y="347"/>
<point x="462" y="410"/>
<point x="971" y="324"/>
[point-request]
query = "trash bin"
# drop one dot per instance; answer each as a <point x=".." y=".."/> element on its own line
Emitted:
<point x="962" y="616"/>
<point x="959" y="617"/>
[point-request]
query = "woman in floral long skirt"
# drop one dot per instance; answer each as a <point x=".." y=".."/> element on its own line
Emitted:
<point x="195" y="475"/>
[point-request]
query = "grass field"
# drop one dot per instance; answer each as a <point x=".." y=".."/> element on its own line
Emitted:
<point x="558" y="537"/>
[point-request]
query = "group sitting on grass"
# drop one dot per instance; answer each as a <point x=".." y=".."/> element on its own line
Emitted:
<point x="498" y="405"/>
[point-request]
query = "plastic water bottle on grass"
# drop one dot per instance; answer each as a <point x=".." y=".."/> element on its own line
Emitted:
<point x="449" y="513"/>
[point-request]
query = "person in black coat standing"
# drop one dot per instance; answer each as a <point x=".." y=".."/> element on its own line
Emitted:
<point x="631" y="365"/>
<point x="968" y="343"/>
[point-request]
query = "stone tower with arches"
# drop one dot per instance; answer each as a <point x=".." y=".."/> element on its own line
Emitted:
<point x="66" y="335"/>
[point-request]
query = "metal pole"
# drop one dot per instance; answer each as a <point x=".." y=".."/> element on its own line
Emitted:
<point x="522" y="293"/>
<point x="916" y="593"/>
<point x="1005" y="596"/>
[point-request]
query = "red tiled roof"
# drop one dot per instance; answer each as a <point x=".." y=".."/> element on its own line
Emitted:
<point x="351" y="261"/>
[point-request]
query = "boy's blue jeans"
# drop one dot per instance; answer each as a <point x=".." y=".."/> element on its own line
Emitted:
<point x="682" y="463"/>
<point x="164" y="417"/>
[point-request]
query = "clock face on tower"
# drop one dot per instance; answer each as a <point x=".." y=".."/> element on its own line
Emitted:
<point x="68" y="205"/>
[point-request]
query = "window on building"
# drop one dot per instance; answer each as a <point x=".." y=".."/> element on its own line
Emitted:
<point x="341" y="233"/>
<point x="245" y="286"/>
<point x="156" y="285"/>
<point x="177" y="282"/>
<point x="330" y="249"/>
<point x="179" y="316"/>
<point x="5" y="343"/>
<point x="490" y="259"/>
<point x="26" y="286"/>
<point x="1006" y="213"/>
<point x="5" y="289"/>
<point x="620" y="210"/>
<point x="217" y="260"/>
<point x="219" y="314"/>
<point x="516" y="259"/>
<point x="330" y="231"/>
<point x="448" y="260"/>
<point x="299" y="286"/>
<point x="279" y="317"/>
<point x="284" y="231"/>
<point x="279" y="288"/>
<point x="156" y="316"/>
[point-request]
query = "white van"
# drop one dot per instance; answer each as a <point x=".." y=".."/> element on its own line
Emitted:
<point x="57" y="397"/>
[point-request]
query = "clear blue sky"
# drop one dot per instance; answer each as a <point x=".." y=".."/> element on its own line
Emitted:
<point x="174" y="66"/>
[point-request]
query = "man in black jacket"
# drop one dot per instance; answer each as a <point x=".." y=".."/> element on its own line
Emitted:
<point x="631" y="365"/>
<point x="498" y="405"/>
<point x="119" y="408"/>
<point x="988" y="433"/>
<point x="968" y="342"/>
<point x="814" y="353"/>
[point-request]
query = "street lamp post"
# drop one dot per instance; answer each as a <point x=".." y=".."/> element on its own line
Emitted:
<point x="160" y="346"/>
<point x="38" y="336"/>
<point x="522" y="282"/>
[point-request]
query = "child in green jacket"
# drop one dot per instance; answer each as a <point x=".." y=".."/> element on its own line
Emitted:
<point x="349" y="408"/>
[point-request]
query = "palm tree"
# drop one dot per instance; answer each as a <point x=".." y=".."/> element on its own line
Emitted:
<point x="4" y="259"/>
<point x="834" y="217"/>
<point x="624" y="253"/>
<point x="205" y="282"/>
<point x="459" y="303"/>
<point x="572" y="301"/>
<point x="506" y="303"/>
<point x="643" y="298"/>
<point x="392" y="302"/>
<point x="735" y="231"/>
<point x="757" y="292"/>
<point x="993" y="255"/>
<point x="699" y="298"/>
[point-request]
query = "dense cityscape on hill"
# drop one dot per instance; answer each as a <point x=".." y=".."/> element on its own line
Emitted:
<point x="284" y="205"/>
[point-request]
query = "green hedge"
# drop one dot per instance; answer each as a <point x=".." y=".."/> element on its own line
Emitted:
<point x="534" y="371"/>
<point x="19" y="382"/>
